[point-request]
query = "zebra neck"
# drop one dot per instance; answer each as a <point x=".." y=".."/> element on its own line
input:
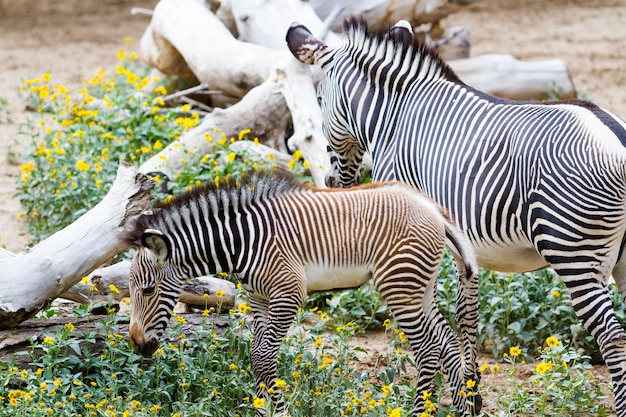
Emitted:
<point x="212" y="244"/>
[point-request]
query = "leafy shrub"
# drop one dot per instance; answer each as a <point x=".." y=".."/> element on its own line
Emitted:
<point x="519" y="309"/>
<point x="77" y="139"/>
<point x="205" y="370"/>
<point x="562" y="384"/>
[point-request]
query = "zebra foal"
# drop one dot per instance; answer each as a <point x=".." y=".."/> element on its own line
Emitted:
<point x="283" y="240"/>
<point x="533" y="185"/>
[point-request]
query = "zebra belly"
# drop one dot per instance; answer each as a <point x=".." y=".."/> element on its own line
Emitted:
<point x="326" y="278"/>
<point x="509" y="258"/>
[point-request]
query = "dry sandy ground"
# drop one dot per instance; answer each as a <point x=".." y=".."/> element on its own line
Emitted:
<point x="75" y="37"/>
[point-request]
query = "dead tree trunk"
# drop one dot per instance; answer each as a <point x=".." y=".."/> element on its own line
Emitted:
<point x="97" y="289"/>
<point x="33" y="278"/>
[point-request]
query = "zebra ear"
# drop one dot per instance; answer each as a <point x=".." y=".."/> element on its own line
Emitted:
<point x="401" y="32"/>
<point x="158" y="244"/>
<point x="303" y="45"/>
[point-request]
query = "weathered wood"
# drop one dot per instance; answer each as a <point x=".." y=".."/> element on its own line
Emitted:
<point x="233" y="67"/>
<point x="507" y="77"/>
<point x="382" y="14"/>
<point x="33" y="278"/>
<point x="97" y="289"/>
<point x="252" y="17"/>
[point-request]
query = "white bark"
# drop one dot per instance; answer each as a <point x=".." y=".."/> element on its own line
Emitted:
<point x="505" y="76"/>
<point x="252" y="17"/>
<point x="209" y="49"/>
<point x="382" y="14"/>
<point x="30" y="280"/>
<point x="97" y="289"/>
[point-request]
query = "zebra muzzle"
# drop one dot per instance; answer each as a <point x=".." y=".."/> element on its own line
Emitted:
<point x="145" y="347"/>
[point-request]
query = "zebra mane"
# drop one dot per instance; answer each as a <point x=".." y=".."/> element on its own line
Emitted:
<point x="246" y="191"/>
<point x="424" y="60"/>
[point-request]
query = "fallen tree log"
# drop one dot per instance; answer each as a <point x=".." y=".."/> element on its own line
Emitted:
<point x="234" y="67"/>
<point x="224" y="63"/>
<point x="30" y="280"/>
<point x="506" y="77"/>
<point x="382" y="14"/>
<point x="97" y="290"/>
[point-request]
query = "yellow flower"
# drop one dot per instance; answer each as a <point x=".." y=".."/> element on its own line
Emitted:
<point x="515" y="351"/>
<point x="555" y="293"/>
<point x="113" y="289"/>
<point x="470" y="383"/>
<point x="297" y="155"/>
<point x="220" y="293"/>
<point x="48" y="341"/>
<point x="258" y="402"/>
<point x="121" y="55"/>
<point x="82" y="165"/>
<point x="484" y="367"/>
<point x="553" y="342"/>
<point x="27" y="167"/>
<point x="231" y="157"/>
<point x="396" y="412"/>
<point x="542" y="368"/>
<point x="429" y="406"/>
<point x="280" y="383"/>
<point x="69" y="326"/>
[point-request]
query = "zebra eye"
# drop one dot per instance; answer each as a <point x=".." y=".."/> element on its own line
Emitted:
<point x="319" y="100"/>
<point x="148" y="290"/>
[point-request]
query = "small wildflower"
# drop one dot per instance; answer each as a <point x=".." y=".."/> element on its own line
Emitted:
<point x="82" y="165"/>
<point x="514" y="351"/>
<point x="553" y="342"/>
<point x="543" y="367"/>
<point x="258" y="402"/>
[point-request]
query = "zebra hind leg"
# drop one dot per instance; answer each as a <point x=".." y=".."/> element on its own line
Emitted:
<point x="433" y="342"/>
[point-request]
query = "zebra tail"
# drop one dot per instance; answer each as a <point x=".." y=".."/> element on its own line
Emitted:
<point x="467" y="295"/>
<point x="461" y="247"/>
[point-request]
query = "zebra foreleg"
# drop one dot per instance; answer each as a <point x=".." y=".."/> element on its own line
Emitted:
<point x="274" y="320"/>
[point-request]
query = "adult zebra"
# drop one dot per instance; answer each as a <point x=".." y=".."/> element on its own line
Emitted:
<point x="532" y="184"/>
<point x="283" y="240"/>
